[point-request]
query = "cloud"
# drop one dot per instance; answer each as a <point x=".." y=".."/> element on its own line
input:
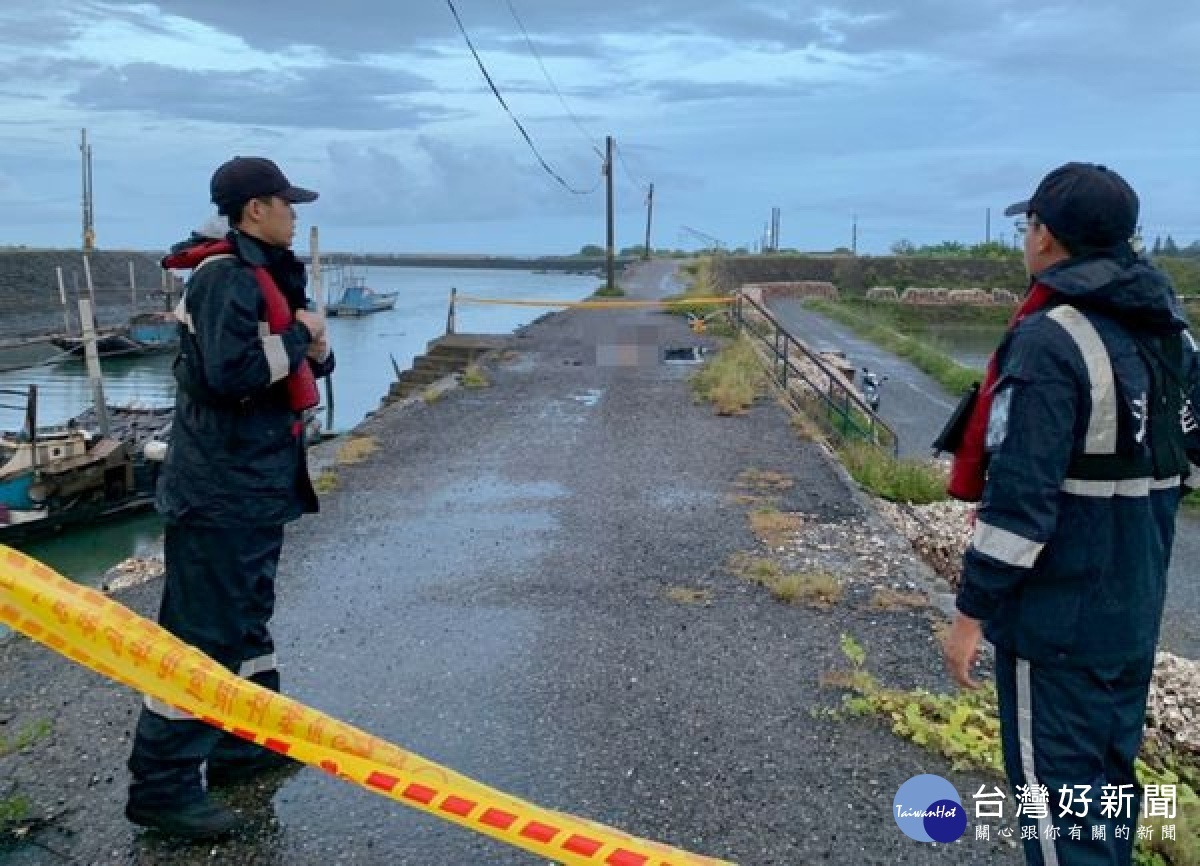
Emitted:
<point x="436" y="180"/>
<point x="339" y="96"/>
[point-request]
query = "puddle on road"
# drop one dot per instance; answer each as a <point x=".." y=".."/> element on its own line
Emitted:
<point x="493" y="490"/>
<point x="589" y="398"/>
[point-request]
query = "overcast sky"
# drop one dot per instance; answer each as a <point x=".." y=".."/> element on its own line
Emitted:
<point x="915" y="115"/>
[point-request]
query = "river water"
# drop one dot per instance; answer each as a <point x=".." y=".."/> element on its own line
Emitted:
<point x="365" y="349"/>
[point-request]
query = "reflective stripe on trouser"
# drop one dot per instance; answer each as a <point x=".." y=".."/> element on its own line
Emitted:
<point x="218" y="596"/>
<point x="1067" y="726"/>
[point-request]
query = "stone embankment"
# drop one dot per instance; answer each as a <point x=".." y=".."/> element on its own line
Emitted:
<point x="30" y="304"/>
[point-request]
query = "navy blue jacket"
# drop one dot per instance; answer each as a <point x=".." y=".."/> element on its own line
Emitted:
<point x="237" y="452"/>
<point x="1073" y="536"/>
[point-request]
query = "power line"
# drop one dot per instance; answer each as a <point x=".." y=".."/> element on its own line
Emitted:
<point x="462" y="29"/>
<point x="625" y="167"/>
<point x="591" y="139"/>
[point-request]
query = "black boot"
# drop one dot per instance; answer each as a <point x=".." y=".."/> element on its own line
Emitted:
<point x="200" y="819"/>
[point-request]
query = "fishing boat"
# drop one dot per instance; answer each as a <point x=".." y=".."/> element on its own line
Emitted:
<point x="355" y="297"/>
<point x="53" y="477"/>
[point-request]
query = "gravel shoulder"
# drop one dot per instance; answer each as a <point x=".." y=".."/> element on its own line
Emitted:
<point x="499" y="588"/>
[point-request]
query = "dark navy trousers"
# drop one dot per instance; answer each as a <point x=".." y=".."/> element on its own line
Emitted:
<point x="219" y="596"/>
<point x="1068" y="727"/>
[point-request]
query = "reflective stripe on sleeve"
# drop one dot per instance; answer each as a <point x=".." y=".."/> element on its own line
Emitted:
<point x="1005" y="546"/>
<point x="277" y="357"/>
<point x="1102" y="425"/>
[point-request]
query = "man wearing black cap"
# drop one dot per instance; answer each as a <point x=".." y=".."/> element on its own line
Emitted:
<point x="234" y="475"/>
<point x="1090" y="443"/>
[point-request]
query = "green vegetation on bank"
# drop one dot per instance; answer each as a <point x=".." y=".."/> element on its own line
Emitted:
<point x="732" y="380"/>
<point x="916" y="482"/>
<point x="951" y="375"/>
<point x="964" y="727"/>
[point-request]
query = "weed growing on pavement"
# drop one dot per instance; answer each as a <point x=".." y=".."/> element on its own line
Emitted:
<point x="913" y="481"/>
<point x="951" y="375"/>
<point x="326" y="482"/>
<point x="473" y="377"/>
<point x="965" y="728"/>
<point x="15" y="810"/>
<point x="764" y="481"/>
<point x="688" y="595"/>
<point x="774" y="527"/>
<point x="886" y="598"/>
<point x="732" y="380"/>
<point x="356" y="449"/>
<point x="431" y="396"/>
<point x="31" y="733"/>
<point x="815" y="588"/>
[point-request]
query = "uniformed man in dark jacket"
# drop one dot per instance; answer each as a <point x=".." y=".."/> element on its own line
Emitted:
<point x="1090" y="443"/>
<point x="235" y="473"/>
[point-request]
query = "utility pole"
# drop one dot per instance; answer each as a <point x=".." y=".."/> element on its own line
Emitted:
<point x="854" y="235"/>
<point x="89" y="224"/>
<point x="775" y="212"/>
<point x="649" y="217"/>
<point x="987" y="238"/>
<point x="608" y="181"/>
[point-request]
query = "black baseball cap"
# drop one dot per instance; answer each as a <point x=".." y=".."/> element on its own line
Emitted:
<point x="1087" y="207"/>
<point x="247" y="177"/>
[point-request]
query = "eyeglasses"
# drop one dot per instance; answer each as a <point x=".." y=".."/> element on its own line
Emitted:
<point x="1027" y="223"/>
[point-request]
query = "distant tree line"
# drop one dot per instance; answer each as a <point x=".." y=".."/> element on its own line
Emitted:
<point x="1168" y="247"/>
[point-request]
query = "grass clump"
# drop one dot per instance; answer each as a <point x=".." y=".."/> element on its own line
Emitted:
<point x="356" y="449"/>
<point x="814" y="588"/>
<point x="689" y="595"/>
<point x="326" y="482"/>
<point x="732" y="380"/>
<point x="15" y="811"/>
<point x="894" y="599"/>
<point x="774" y="527"/>
<point x="31" y="733"/>
<point x="606" y="292"/>
<point x="473" y="377"/>
<point x="899" y="480"/>
<point x="817" y="589"/>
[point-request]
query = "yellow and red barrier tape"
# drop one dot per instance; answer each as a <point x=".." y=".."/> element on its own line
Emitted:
<point x="112" y="640"/>
<point x="594" y="305"/>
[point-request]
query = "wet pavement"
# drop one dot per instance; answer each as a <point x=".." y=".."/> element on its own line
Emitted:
<point x="491" y="590"/>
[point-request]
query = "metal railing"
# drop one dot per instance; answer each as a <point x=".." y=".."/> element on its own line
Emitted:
<point x="839" y="408"/>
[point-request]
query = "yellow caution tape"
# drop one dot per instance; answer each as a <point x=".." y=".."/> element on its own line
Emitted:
<point x="112" y="640"/>
<point x="593" y="305"/>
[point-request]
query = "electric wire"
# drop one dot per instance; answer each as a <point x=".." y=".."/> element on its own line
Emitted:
<point x="528" y="140"/>
<point x="587" y="134"/>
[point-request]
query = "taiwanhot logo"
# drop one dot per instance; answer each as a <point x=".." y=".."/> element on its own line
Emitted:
<point x="928" y="809"/>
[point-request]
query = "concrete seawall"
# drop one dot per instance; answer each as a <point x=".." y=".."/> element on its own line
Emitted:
<point x="29" y="298"/>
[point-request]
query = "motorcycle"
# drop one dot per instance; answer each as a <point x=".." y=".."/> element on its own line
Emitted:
<point x="871" y="383"/>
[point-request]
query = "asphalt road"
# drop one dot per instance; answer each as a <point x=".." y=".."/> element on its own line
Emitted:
<point x="916" y="406"/>
<point x="913" y="404"/>
<point x="492" y="590"/>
